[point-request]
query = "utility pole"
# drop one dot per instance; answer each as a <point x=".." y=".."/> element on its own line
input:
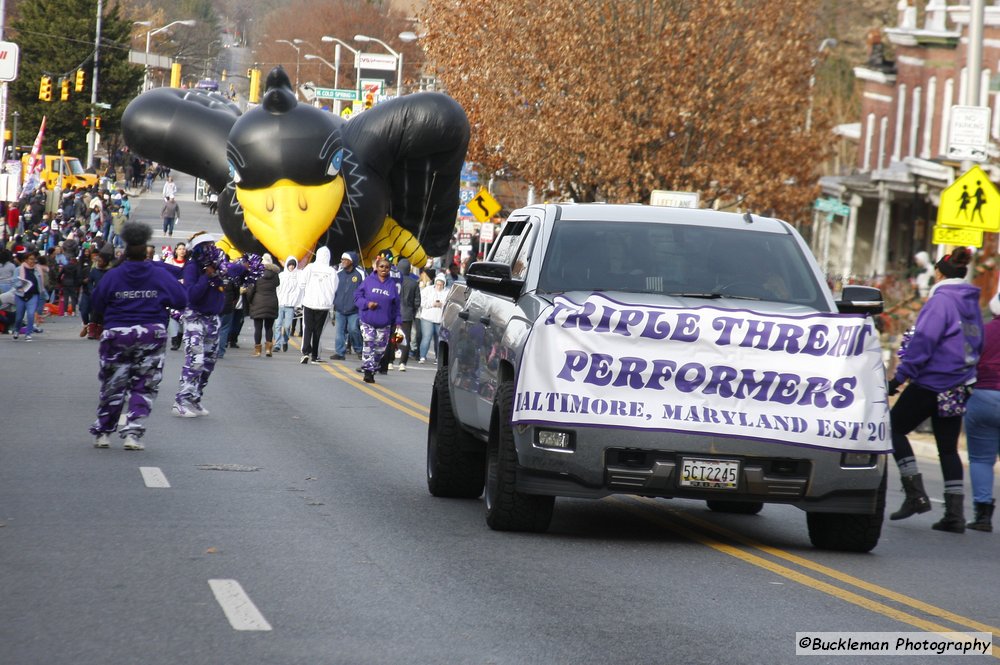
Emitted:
<point x="92" y="134"/>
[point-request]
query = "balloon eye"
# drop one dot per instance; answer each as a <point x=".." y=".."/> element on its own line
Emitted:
<point x="234" y="175"/>
<point x="336" y="163"/>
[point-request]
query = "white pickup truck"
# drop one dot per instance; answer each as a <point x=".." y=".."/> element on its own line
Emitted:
<point x="625" y="349"/>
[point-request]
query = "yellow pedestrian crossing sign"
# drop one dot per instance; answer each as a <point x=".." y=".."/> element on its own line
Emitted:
<point x="483" y="205"/>
<point x="971" y="202"/>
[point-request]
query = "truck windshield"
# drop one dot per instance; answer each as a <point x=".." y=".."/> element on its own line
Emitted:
<point x="681" y="260"/>
<point x="73" y="166"/>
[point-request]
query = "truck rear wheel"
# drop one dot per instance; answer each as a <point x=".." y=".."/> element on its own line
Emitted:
<point x="846" y="532"/>
<point x="455" y="459"/>
<point x="506" y="508"/>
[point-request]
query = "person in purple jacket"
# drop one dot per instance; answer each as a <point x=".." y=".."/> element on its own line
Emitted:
<point x="378" y="305"/>
<point x="939" y="365"/>
<point x="133" y="298"/>
<point x="206" y="298"/>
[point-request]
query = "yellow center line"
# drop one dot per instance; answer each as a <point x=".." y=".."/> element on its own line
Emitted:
<point x="801" y="578"/>
<point x="390" y="398"/>
<point x="837" y="575"/>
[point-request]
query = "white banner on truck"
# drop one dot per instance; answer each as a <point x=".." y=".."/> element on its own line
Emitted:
<point x="803" y="380"/>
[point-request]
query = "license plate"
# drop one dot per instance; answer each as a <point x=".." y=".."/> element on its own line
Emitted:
<point x="712" y="474"/>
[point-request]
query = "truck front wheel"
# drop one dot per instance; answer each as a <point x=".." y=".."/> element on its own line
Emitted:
<point x="506" y="508"/>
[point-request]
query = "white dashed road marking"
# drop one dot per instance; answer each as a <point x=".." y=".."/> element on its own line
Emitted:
<point x="153" y="477"/>
<point x="239" y="609"/>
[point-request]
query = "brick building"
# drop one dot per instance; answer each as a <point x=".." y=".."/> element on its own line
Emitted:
<point x="901" y="165"/>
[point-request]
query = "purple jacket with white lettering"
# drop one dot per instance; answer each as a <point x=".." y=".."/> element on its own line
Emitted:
<point x="386" y="297"/>
<point x="947" y="339"/>
<point x="137" y="292"/>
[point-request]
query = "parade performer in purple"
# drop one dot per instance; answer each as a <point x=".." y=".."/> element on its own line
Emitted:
<point x="133" y="298"/>
<point x="378" y="305"/>
<point x="205" y="276"/>
<point x="205" y="289"/>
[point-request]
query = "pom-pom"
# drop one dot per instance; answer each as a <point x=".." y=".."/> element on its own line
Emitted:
<point x="904" y="342"/>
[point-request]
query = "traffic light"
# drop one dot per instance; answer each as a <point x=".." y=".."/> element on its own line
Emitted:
<point x="254" y="96"/>
<point x="97" y="123"/>
<point x="61" y="144"/>
<point x="175" y="75"/>
<point x="369" y="100"/>
<point x="80" y="80"/>
<point x="64" y="89"/>
<point x="86" y="122"/>
<point x="45" y="89"/>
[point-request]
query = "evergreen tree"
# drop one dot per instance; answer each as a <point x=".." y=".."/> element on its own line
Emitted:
<point x="56" y="38"/>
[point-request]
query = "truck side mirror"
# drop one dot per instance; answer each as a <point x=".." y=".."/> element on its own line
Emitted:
<point x="860" y="300"/>
<point x="493" y="277"/>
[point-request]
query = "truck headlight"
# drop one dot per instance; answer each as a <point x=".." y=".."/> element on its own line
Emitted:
<point x="554" y="440"/>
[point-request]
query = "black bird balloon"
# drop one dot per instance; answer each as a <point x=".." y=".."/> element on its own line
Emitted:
<point x="293" y="177"/>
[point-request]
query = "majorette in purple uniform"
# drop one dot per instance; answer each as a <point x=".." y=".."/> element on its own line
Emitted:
<point x="133" y="297"/>
<point x="205" y="275"/>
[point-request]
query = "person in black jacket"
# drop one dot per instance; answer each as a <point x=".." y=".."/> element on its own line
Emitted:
<point x="70" y="278"/>
<point x="409" y="305"/>
<point x="262" y="299"/>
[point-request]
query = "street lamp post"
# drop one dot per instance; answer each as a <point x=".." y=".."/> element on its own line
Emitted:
<point x="146" y="83"/>
<point x="336" y="60"/>
<point x="396" y="54"/>
<point x="297" y="52"/>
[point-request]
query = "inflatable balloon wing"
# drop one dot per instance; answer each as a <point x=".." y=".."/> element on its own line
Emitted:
<point x="293" y="177"/>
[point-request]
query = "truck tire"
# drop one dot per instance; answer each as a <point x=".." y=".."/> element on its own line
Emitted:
<point x="735" y="507"/>
<point x="506" y="508"/>
<point x="455" y="459"/>
<point x="845" y="532"/>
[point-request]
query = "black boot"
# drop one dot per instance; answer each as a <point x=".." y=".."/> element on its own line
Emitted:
<point x="369" y="377"/>
<point x="916" y="500"/>
<point x="983" y="516"/>
<point x="954" y="514"/>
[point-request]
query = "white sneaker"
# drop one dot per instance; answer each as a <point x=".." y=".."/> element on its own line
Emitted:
<point x="422" y="361"/>
<point x="402" y="367"/>
<point x="102" y="440"/>
<point x="198" y="409"/>
<point x="389" y="367"/>
<point x="183" y="411"/>
<point x="132" y="443"/>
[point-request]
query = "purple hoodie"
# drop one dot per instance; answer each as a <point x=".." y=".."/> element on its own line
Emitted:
<point x="137" y="292"/>
<point x="947" y="340"/>
<point x="206" y="295"/>
<point x="384" y="294"/>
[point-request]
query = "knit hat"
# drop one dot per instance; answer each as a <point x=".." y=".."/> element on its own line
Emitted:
<point x="955" y="264"/>
<point x="347" y="255"/>
<point x="266" y="259"/>
<point x="440" y="277"/>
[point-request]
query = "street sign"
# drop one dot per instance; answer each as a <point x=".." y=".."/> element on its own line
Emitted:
<point x="969" y="134"/>
<point x="346" y="113"/>
<point x="8" y="61"/>
<point x="662" y="197"/>
<point x="382" y="61"/>
<point x="971" y="202"/>
<point x="336" y="93"/>
<point x="944" y="235"/>
<point x="483" y="205"/>
<point x="831" y="205"/>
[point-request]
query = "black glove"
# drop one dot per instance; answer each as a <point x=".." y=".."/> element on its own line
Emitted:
<point x="894" y="385"/>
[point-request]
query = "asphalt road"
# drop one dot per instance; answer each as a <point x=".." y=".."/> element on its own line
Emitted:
<point x="293" y="525"/>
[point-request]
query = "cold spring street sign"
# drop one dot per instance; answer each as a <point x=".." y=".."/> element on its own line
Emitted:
<point x="971" y="202"/>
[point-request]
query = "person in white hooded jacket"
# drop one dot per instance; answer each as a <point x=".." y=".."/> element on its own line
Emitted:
<point x="319" y="281"/>
<point x="290" y="286"/>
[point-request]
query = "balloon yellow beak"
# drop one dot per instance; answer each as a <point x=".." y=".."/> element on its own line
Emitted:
<point x="288" y="218"/>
